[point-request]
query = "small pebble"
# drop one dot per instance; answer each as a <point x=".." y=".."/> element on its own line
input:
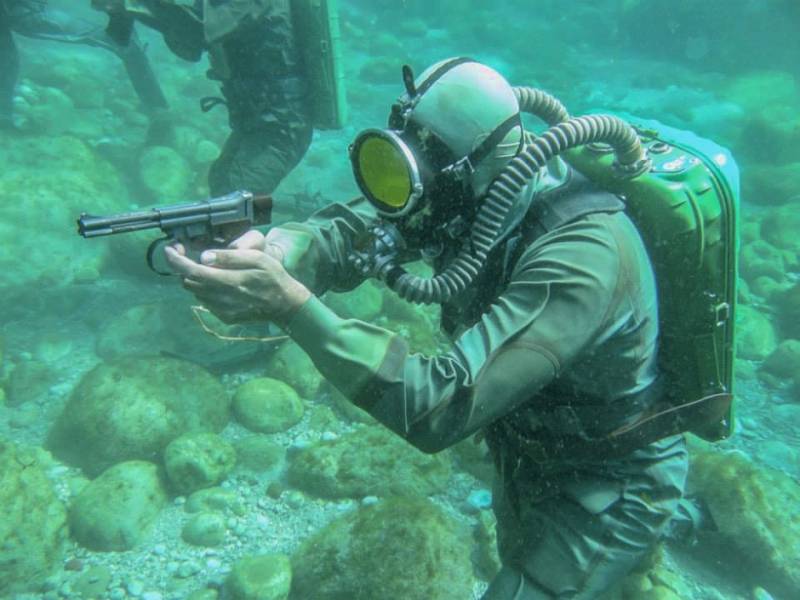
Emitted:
<point x="117" y="594"/>
<point x="274" y="490"/>
<point x="760" y="593"/>
<point x="329" y="436"/>
<point x="152" y="596"/>
<point x="294" y="498"/>
<point x="213" y="564"/>
<point x="160" y="549"/>
<point x="74" y="564"/>
<point x="134" y="588"/>
<point x="369" y="500"/>
<point x="479" y="500"/>
<point x="188" y="569"/>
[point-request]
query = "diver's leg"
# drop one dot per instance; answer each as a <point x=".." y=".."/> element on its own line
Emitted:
<point x="257" y="160"/>
<point x="9" y="72"/>
<point x="36" y="22"/>
<point x="561" y="547"/>
<point x="140" y="73"/>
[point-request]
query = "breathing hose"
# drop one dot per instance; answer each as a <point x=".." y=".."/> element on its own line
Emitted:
<point x="563" y="134"/>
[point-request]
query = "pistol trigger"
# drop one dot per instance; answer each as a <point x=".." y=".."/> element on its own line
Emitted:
<point x="151" y="251"/>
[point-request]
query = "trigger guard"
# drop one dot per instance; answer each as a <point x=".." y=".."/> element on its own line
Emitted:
<point x="151" y="250"/>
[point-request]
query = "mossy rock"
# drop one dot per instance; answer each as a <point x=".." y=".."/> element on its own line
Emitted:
<point x="267" y="405"/>
<point x="780" y="226"/>
<point x="771" y="185"/>
<point x="292" y="365"/>
<point x="215" y="499"/>
<point x="760" y="258"/>
<point x="115" y="511"/>
<point x="205" y="529"/>
<point x="756" y="338"/>
<point x="55" y="167"/>
<point x="265" y="577"/>
<point x="132" y="408"/>
<point x="755" y="510"/>
<point x="363" y="303"/>
<point x="784" y="362"/>
<point x="30" y="381"/>
<point x="198" y="460"/>
<point x="398" y="548"/>
<point x="165" y="174"/>
<point x="33" y="521"/>
<point x="368" y="461"/>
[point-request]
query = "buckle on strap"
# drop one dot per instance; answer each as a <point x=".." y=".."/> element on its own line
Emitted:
<point x="461" y="169"/>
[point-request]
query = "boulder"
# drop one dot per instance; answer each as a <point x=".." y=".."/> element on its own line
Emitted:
<point x="33" y="521"/>
<point x="398" y="548"/>
<point x="267" y="405"/>
<point x="132" y="408"/>
<point x="292" y="365"/>
<point x="264" y="577"/>
<point x="198" y="460"/>
<point x="166" y="174"/>
<point x="115" y="511"/>
<point x="756" y="338"/>
<point x="205" y="529"/>
<point x="369" y="461"/>
<point x="751" y="506"/>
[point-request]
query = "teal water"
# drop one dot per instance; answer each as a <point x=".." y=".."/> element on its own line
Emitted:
<point x="86" y="318"/>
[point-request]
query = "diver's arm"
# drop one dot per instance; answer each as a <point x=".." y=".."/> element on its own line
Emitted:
<point x="551" y="309"/>
<point x="315" y="251"/>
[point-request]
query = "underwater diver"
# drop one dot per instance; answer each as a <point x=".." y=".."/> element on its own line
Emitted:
<point x="254" y="55"/>
<point x="547" y="291"/>
<point x="31" y="18"/>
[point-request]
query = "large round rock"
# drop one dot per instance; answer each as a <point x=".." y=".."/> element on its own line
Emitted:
<point x="265" y="577"/>
<point x="132" y="408"/>
<point x="405" y="548"/>
<point x="33" y="522"/>
<point x="115" y="510"/>
<point x="267" y="405"/>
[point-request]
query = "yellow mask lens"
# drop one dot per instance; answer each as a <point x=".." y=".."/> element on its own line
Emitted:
<point x="384" y="172"/>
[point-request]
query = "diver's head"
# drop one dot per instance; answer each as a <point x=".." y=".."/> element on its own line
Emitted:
<point x="452" y="132"/>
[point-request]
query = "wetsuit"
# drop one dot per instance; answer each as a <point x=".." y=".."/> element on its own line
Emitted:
<point x="554" y="345"/>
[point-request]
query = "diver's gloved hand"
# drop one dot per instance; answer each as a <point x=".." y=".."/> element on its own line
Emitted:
<point x="243" y="283"/>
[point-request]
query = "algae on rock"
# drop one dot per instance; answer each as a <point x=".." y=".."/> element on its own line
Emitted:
<point x="132" y="408"/>
<point x="405" y="548"/>
<point x="264" y="577"/>
<point x="267" y="405"/>
<point x="198" y="460"/>
<point x="368" y="461"/>
<point x="33" y="521"/>
<point x="114" y="512"/>
<point x="755" y="510"/>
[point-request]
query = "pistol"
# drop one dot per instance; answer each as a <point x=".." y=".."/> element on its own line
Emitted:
<point x="212" y="223"/>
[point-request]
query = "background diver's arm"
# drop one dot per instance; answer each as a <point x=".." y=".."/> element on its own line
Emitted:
<point x="9" y="70"/>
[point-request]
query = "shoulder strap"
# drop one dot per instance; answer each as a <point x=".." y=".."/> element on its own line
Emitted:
<point x="578" y="197"/>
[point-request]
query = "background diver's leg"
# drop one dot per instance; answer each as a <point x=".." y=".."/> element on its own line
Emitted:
<point x="9" y="71"/>
<point x="259" y="159"/>
<point x="41" y="24"/>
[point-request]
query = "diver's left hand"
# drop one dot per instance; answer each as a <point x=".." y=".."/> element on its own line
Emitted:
<point x="240" y="284"/>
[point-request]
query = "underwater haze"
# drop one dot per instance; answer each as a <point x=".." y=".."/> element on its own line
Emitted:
<point x="145" y="454"/>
